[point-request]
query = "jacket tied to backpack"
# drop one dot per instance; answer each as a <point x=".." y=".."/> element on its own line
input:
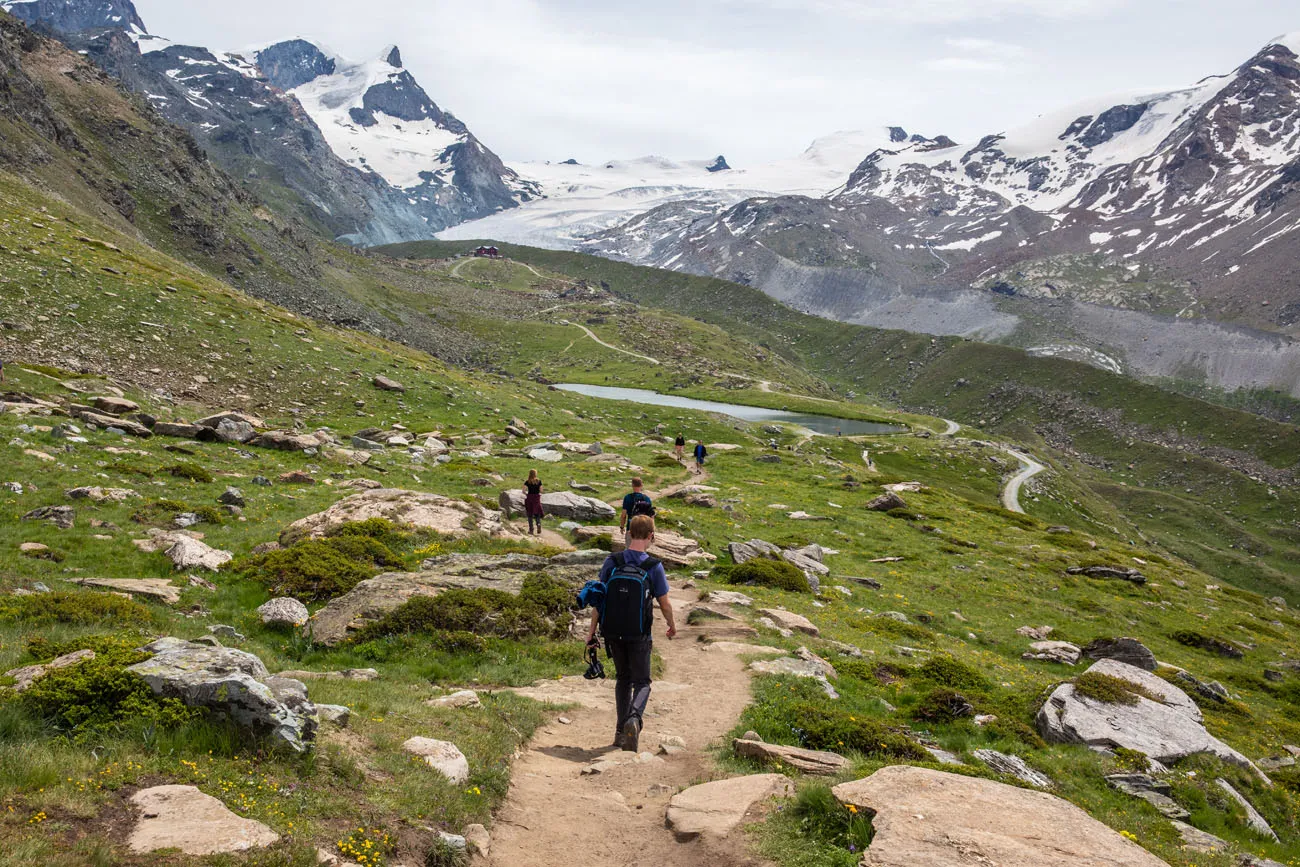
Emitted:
<point x="625" y="600"/>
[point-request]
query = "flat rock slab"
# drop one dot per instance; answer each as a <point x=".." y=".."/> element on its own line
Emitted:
<point x="672" y="548"/>
<point x="716" y="809"/>
<point x="155" y="588"/>
<point x="182" y="817"/>
<point x="790" y="620"/>
<point x="564" y="505"/>
<point x="27" y="675"/>
<point x="815" y="762"/>
<point x="928" y="818"/>
<point x="404" y="508"/>
<point x="741" y="648"/>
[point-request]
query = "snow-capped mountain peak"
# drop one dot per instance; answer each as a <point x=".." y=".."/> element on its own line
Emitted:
<point x="67" y="16"/>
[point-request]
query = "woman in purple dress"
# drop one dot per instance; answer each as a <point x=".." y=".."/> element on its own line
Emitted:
<point x="533" y="503"/>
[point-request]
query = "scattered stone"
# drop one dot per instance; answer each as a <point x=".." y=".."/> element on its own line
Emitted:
<point x="336" y="715"/>
<point x="1254" y="820"/>
<point x="1132" y="575"/>
<point x="1038" y="633"/>
<point x="789" y="620"/>
<point x="461" y="699"/>
<point x="887" y="503"/>
<point x="221" y="630"/>
<point x="443" y="756"/>
<point x="27" y="675"/>
<point x="943" y="757"/>
<point x="1166" y="730"/>
<point x="189" y="553"/>
<point x="1198" y="840"/>
<point x="865" y="582"/>
<point x="714" y="810"/>
<point x="231" y="431"/>
<point x="1155" y="793"/>
<point x="815" y="762"/>
<point x="1013" y="766"/>
<point x="1053" y="651"/>
<point x="212" y="421"/>
<point x="182" y="817"/>
<point x="297" y="477"/>
<point x="284" y="611"/>
<point x="928" y="817"/>
<point x="1129" y="651"/>
<point x="63" y="517"/>
<point x="115" y="405"/>
<point x="101" y="495"/>
<point x="565" y="504"/>
<point x="1276" y="763"/>
<point x="478" y="839"/>
<point x="383" y="383"/>
<point x="727" y="597"/>
<point x="405" y="508"/>
<point x="108" y="422"/>
<point x="673" y="549"/>
<point x="233" y="683"/>
<point x="179" y="430"/>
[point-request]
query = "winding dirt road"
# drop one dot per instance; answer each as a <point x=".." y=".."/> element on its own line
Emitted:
<point x="1029" y="469"/>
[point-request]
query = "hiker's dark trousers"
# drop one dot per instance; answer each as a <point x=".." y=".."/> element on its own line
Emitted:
<point x="632" y="676"/>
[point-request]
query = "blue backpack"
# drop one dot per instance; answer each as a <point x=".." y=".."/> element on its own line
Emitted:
<point x="627" y="611"/>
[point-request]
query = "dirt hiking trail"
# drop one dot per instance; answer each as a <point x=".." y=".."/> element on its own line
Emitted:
<point x="556" y="816"/>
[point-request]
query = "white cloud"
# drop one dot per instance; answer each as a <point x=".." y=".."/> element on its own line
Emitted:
<point x="946" y="11"/>
<point x="985" y="47"/>
<point x="965" y="64"/>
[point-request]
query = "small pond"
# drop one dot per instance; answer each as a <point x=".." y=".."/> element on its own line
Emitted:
<point x="822" y="424"/>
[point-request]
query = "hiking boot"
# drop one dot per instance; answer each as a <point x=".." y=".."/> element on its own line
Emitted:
<point x="631" y="735"/>
<point x="618" y="740"/>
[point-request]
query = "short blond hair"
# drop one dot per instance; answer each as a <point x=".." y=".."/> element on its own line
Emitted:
<point x="642" y="527"/>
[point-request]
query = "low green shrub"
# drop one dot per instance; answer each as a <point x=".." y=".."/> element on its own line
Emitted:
<point x="78" y="608"/>
<point x="191" y="471"/>
<point x="1208" y="643"/>
<point x="943" y="706"/>
<point x="158" y="513"/>
<point x="99" y="693"/>
<point x="42" y="649"/>
<point x="1109" y="689"/>
<point x="1131" y="760"/>
<point x="823" y="728"/>
<point x="318" y="569"/>
<point x="665" y="462"/>
<point x="949" y="672"/>
<point x="542" y="608"/>
<point x="763" y="572"/>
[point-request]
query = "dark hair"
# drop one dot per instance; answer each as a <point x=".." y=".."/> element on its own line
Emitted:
<point x="636" y="483"/>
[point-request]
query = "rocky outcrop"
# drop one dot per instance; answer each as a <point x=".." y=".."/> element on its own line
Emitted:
<point x="406" y="508"/>
<point x="1167" y="729"/>
<point x="789" y="620"/>
<point x="286" y="441"/>
<point x="807" y="559"/>
<point x="714" y="810"/>
<point x="1129" y="651"/>
<point x="1014" y="766"/>
<point x="154" y="588"/>
<point x="672" y="548"/>
<point x="565" y="505"/>
<point x="233" y="684"/>
<point x="372" y="599"/>
<point x="928" y="818"/>
<point x="1053" y="651"/>
<point x="183" y="818"/>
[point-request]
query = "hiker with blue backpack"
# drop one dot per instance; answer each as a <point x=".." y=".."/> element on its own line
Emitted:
<point x="635" y="504"/>
<point x="630" y="584"/>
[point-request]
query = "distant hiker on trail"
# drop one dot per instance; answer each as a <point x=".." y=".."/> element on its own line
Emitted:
<point x="633" y="581"/>
<point x="2" y="370"/>
<point x="701" y="453"/>
<point x="634" y="505"/>
<point x="679" y="447"/>
<point x="533" y="503"/>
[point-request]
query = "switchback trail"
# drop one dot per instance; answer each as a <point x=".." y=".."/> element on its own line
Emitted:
<point x="1029" y="469"/>
<point x="556" y="816"/>
<point x="593" y="336"/>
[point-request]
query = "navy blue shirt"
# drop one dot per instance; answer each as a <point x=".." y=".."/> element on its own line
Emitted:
<point x="630" y="501"/>
<point x="658" y="577"/>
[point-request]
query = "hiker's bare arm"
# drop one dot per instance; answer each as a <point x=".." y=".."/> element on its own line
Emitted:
<point x="666" y="606"/>
<point x="622" y="519"/>
<point x="595" y="621"/>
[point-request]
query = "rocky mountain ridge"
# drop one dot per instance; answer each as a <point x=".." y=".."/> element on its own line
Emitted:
<point x="1084" y="234"/>
<point x="254" y="124"/>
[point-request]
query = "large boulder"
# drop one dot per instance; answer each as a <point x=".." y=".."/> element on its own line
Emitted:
<point x="231" y="683"/>
<point x="443" y="756"/>
<point x="180" y="430"/>
<point x="672" y="548"/>
<point x="286" y="441"/>
<point x="807" y="560"/>
<point x="127" y="426"/>
<point x="182" y="817"/>
<point x="716" y="809"/>
<point x="97" y="494"/>
<point x="1126" y="650"/>
<point x="789" y="620"/>
<point x="230" y="431"/>
<point x="373" y="598"/>
<point x="212" y="421"/>
<point x="1166" y="729"/>
<point x="928" y="818"/>
<point x="283" y="611"/>
<point x="565" y="504"/>
<point x="407" y="508"/>
<point x="383" y="383"/>
<point x="115" y="405"/>
<point x="152" y="588"/>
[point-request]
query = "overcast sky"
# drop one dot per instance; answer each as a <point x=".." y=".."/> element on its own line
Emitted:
<point x="752" y="79"/>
